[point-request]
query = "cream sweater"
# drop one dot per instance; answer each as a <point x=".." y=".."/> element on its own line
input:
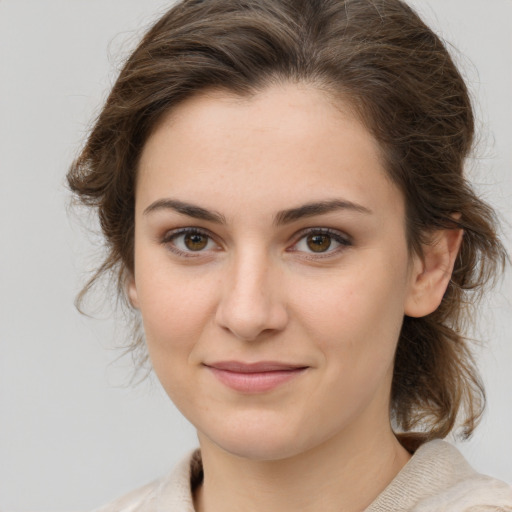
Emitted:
<point x="436" y="479"/>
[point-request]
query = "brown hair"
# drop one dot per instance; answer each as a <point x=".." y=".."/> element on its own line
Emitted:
<point x="403" y="84"/>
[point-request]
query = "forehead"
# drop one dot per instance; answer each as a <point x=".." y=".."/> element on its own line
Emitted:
<point x="290" y="143"/>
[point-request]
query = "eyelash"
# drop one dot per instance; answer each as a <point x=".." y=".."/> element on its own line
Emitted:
<point x="171" y="236"/>
<point x="344" y="241"/>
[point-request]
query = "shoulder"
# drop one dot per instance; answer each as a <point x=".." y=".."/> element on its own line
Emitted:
<point x="438" y="478"/>
<point x="130" y="502"/>
<point x="172" y="492"/>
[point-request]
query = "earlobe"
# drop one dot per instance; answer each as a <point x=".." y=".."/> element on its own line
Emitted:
<point x="131" y="292"/>
<point x="432" y="271"/>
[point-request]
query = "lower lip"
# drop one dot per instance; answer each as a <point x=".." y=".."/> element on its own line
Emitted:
<point x="255" y="382"/>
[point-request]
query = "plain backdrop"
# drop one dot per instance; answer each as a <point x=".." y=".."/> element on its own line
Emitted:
<point x="72" y="434"/>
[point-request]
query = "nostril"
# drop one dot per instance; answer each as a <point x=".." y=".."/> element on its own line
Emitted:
<point x="251" y="303"/>
<point x="249" y="321"/>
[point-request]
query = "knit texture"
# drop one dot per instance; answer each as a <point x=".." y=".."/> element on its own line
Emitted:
<point x="436" y="479"/>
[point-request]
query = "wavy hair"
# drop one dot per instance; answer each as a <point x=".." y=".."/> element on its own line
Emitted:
<point x="400" y="80"/>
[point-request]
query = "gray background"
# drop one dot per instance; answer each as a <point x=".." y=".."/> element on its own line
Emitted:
<point x="72" y="436"/>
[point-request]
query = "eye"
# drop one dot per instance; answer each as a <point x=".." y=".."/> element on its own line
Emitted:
<point x="321" y="241"/>
<point x="189" y="240"/>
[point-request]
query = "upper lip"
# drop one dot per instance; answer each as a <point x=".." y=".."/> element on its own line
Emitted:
<point x="261" y="366"/>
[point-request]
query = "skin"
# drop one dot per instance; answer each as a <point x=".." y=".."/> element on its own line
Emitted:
<point x="252" y="289"/>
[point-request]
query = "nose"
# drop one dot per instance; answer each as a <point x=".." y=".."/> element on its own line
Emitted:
<point x="252" y="302"/>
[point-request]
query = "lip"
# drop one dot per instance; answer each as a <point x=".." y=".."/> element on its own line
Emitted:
<point x="254" y="377"/>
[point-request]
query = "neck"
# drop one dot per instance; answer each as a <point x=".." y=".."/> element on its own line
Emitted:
<point x="347" y="472"/>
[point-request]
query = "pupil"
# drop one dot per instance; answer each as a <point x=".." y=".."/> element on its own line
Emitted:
<point x="195" y="242"/>
<point x="319" y="243"/>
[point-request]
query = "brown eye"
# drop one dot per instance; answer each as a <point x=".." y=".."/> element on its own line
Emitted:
<point x="318" y="242"/>
<point x="195" y="241"/>
<point x="190" y="242"/>
<point x="322" y="242"/>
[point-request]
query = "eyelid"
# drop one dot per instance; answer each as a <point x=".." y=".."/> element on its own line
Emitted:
<point x="344" y="240"/>
<point x="340" y="237"/>
<point x="169" y="236"/>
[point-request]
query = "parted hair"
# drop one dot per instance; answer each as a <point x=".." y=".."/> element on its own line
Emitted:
<point x="397" y="75"/>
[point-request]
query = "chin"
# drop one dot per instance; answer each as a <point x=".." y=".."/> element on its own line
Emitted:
<point x="259" y="441"/>
<point x="261" y="449"/>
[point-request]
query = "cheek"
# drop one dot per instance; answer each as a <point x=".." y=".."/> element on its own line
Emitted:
<point x="355" y="327"/>
<point x="175" y="309"/>
<point x="356" y="319"/>
<point x="174" y="315"/>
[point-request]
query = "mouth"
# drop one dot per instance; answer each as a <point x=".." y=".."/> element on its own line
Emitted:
<point x="255" y="377"/>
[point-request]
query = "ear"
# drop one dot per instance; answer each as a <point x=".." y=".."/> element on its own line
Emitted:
<point x="432" y="271"/>
<point x="131" y="292"/>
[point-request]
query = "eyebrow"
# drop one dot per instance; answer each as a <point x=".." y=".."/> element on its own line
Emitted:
<point x="283" y="217"/>
<point x="186" y="209"/>
<point x="317" y="208"/>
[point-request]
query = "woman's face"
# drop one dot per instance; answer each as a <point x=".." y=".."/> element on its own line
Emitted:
<point x="271" y="269"/>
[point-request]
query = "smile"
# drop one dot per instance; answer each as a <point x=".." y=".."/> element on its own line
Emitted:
<point x="254" y="377"/>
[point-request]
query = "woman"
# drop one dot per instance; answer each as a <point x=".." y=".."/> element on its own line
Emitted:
<point x="280" y="186"/>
